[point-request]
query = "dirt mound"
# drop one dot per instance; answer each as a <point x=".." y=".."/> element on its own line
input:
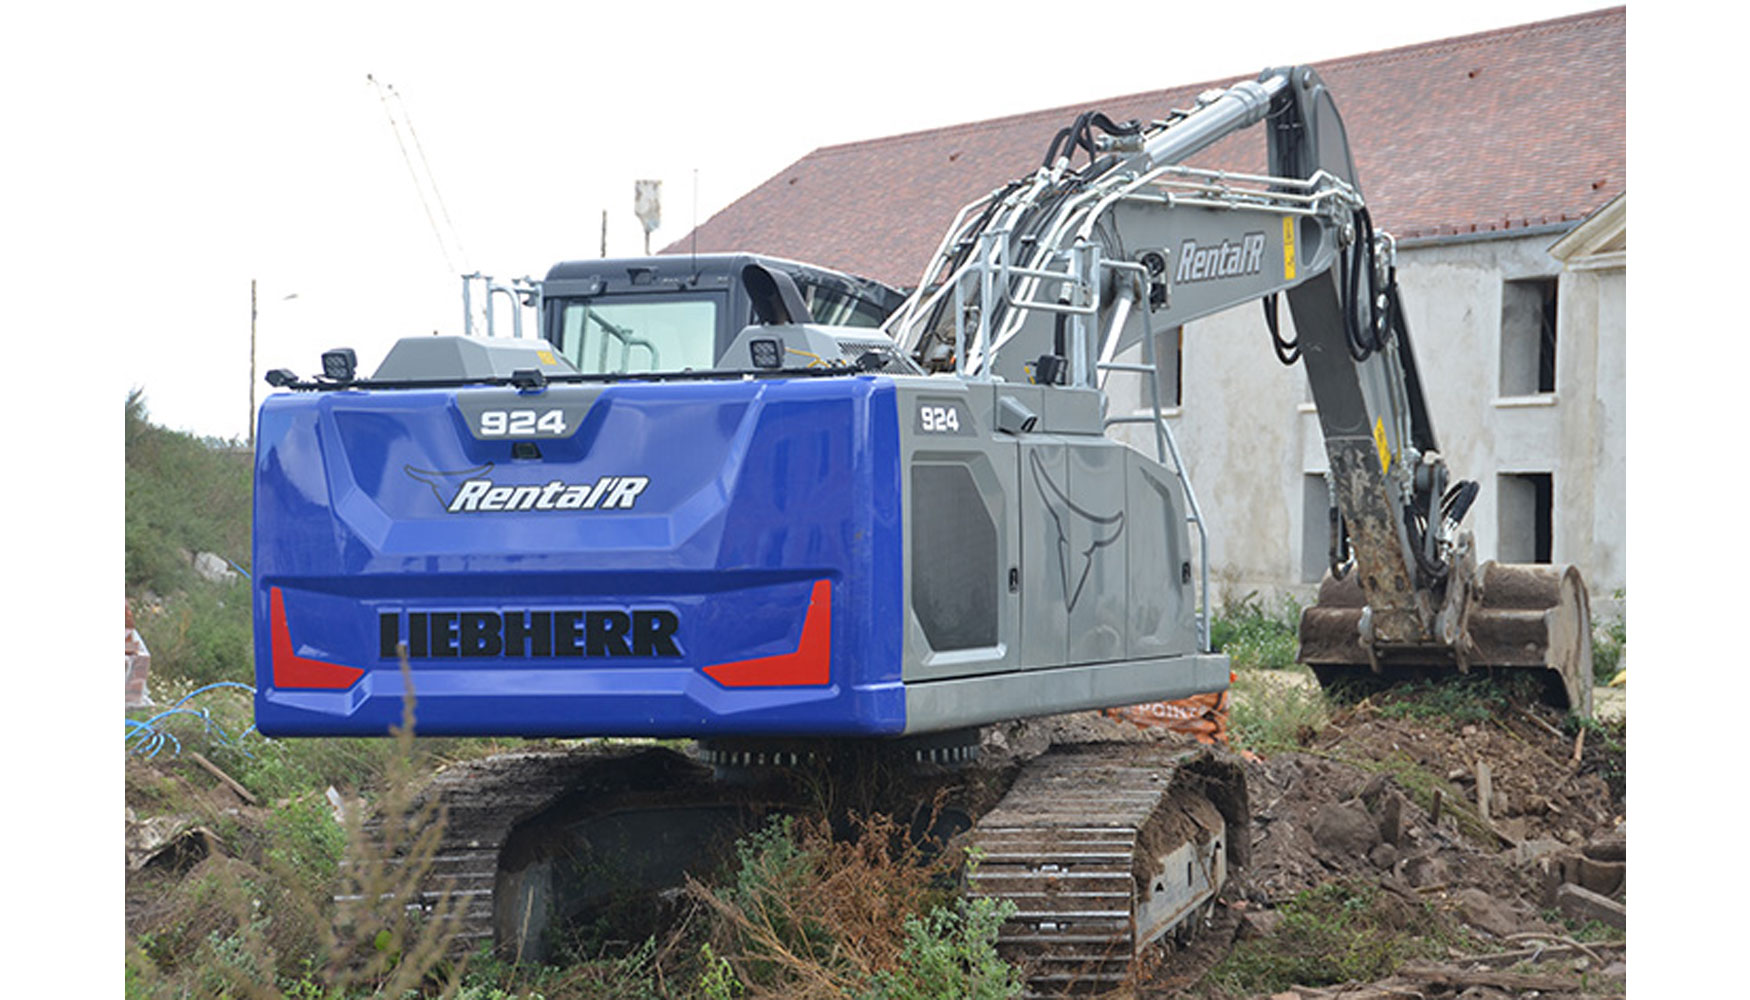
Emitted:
<point x="1479" y="845"/>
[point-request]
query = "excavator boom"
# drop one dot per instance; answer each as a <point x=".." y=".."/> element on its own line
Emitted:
<point x="1061" y="278"/>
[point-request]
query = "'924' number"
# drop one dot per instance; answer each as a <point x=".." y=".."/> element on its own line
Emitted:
<point x="940" y="419"/>
<point x="522" y="423"/>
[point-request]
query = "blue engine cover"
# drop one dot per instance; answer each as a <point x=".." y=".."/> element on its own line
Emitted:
<point x="715" y="558"/>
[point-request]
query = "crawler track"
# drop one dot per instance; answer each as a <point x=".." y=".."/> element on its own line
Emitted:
<point x="490" y="803"/>
<point x="1106" y="849"/>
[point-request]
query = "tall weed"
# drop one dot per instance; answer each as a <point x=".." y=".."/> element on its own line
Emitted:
<point x="1275" y="711"/>
<point x="1610" y="642"/>
<point x="1254" y="634"/>
<point x="1343" y="931"/>
<point x="804" y="915"/>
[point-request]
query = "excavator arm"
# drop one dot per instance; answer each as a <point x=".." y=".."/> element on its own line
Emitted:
<point x="1056" y="276"/>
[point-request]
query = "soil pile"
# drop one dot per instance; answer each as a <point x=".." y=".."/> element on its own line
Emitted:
<point x="1490" y="851"/>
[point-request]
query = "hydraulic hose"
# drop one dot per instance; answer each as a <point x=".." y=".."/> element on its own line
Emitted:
<point x="1287" y="351"/>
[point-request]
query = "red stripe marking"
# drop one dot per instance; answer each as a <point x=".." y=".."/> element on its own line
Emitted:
<point x="293" y="671"/>
<point x="809" y="666"/>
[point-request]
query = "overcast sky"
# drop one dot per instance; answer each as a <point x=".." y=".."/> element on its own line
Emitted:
<point x="208" y="146"/>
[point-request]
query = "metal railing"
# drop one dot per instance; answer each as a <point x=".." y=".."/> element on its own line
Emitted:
<point x="1079" y="299"/>
<point x="524" y="294"/>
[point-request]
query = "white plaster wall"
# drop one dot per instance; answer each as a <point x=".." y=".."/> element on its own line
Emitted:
<point x="1249" y="436"/>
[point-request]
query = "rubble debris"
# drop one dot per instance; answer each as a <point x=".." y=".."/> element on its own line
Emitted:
<point x="1580" y="903"/>
<point x="176" y="843"/>
<point x="213" y="568"/>
<point x="1485" y="913"/>
<point x="136" y="663"/>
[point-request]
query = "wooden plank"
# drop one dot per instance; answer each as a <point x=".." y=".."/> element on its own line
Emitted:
<point x="1485" y="789"/>
<point x="230" y="782"/>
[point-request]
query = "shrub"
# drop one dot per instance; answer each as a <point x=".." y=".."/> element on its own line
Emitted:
<point x="1460" y="698"/>
<point x="1346" y="930"/>
<point x="1274" y="712"/>
<point x="200" y="635"/>
<point x="1254" y="635"/>
<point x="1610" y="643"/>
<point x="951" y="954"/>
<point x="257" y="918"/>
<point x="802" y="915"/>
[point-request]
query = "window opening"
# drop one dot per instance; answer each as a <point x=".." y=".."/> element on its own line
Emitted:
<point x="1526" y="517"/>
<point x="1528" y="337"/>
<point x="1170" y="366"/>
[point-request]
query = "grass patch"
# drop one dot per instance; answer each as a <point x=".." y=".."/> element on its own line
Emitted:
<point x="1610" y="643"/>
<point x="199" y="635"/>
<point x="1458" y="698"/>
<point x="1605" y="752"/>
<point x="1423" y="785"/>
<point x="1254" y="634"/>
<point x="1343" y="931"/>
<point x="183" y="495"/>
<point x="1275" y="711"/>
<point x="257" y="918"/>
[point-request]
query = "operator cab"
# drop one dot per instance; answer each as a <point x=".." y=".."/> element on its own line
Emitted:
<point x="680" y="313"/>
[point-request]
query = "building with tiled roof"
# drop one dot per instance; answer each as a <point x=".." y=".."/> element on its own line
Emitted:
<point x="1479" y="153"/>
<point x="1510" y="129"/>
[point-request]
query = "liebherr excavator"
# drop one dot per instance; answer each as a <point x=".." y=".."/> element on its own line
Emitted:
<point x="788" y="539"/>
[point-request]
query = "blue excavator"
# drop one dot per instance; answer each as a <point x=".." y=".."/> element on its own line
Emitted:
<point x="793" y="516"/>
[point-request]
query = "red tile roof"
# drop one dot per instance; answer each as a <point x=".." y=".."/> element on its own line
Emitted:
<point x="1495" y="131"/>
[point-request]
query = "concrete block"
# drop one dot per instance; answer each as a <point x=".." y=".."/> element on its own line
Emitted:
<point x="1580" y="903"/>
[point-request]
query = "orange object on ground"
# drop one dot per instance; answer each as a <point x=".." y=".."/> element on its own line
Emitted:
<point x="1201" y="715"/>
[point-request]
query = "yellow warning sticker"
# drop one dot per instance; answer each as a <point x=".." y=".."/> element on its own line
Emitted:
<point x="546" y="357"/>
<point x="1288" y="248"/>
<point x="1380" y="443"/>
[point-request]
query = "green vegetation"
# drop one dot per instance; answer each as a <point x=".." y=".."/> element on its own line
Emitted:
<point x="1275" y="704"/>
<point x="950" y="954"/>
<point x="1610" y="642"/>
<point x="1459" y="698"/>
<point x="1605" y="749"/>
<point x="1253" y="634"/>
<point x="804" y="915"/>
<point x="1423" y="786"/>
<point x="1342" y="931"/>
<point x="184" y="495"/>
<point x="1275" y="711"/>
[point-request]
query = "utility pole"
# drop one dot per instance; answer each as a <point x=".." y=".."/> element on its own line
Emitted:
<point x="254" y="313"/>
<point x="604" y="234"/>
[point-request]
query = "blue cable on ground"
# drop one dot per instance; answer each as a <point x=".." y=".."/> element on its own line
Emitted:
<point x="149" y="737"/>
